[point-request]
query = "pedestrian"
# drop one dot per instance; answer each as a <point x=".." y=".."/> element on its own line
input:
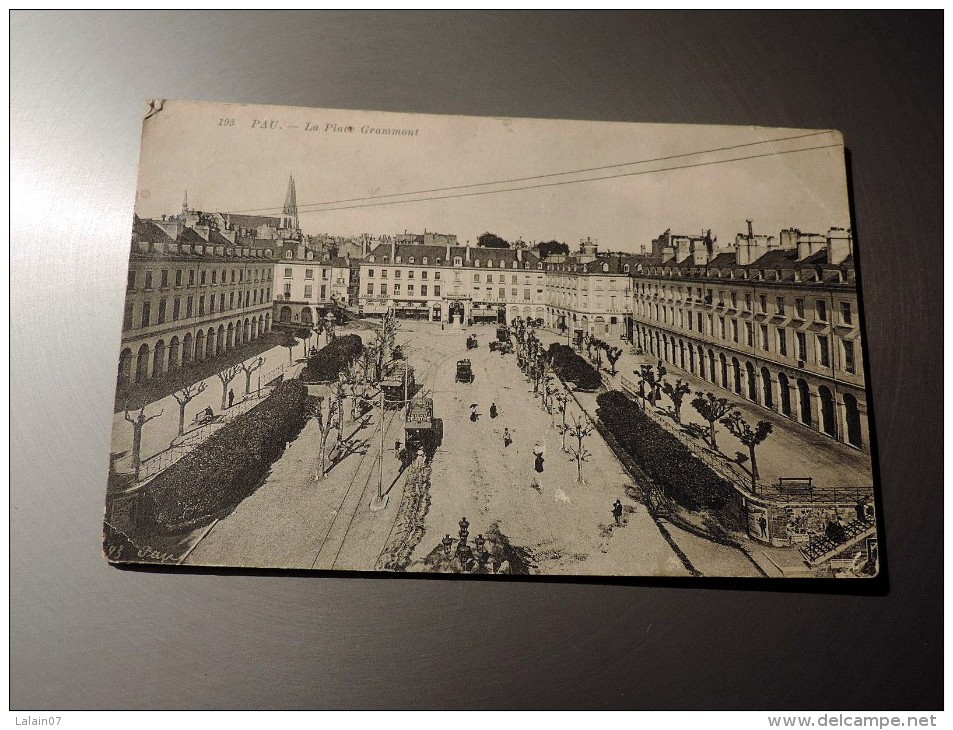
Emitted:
<point x="397" y="446"/>
<point x="209" y="413"/>
<point x="507" y="438"/>
<point x="493" y="412"/>
<point x="617" y="511"/>
<point x="231" y="397"/>
<point x="538" y="452"/>
<point x="861" y="509"/>
<point x="763" y="524"/>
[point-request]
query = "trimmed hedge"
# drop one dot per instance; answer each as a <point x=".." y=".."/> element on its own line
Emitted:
<point x="666" y="460"/>
<point x="228" y="466"/>
<point x="569" y="365"/>
<point x="332" y="359"/>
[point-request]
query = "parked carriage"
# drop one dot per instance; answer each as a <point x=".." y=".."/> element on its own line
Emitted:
<point x="472" y="342"/>
<point x="464" y="372"/>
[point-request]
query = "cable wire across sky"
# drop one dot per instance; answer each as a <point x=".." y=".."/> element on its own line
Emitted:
<point x="378" y="200"/>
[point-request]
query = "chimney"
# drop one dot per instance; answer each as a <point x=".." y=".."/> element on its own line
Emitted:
<point x="682" y="246"/>
<point x="750" y="231"/>
<point x="202" y="231"/>
<point x="840" y="245"/>
<point x="448" y="247"/>
<point x="700" y="251"/>
<point x="393" y="251"/>
<point x="519" y="255"/>
<point x="467" y="252"/>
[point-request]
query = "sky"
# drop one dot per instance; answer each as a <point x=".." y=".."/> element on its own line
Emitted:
<point x="238" y="158"/>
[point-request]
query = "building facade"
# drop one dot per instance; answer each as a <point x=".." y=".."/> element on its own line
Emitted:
<point x="588" y="292"/>
<point x="308" y="285"/>
<point x="190" y="296"/>
<point x="452" y="284"/>
<point x="773" y="320"/>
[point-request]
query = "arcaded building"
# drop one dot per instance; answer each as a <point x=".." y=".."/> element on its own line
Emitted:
<point x="773" y="320"/>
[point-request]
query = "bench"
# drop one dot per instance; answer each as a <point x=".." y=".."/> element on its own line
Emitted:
<point x="796" y="485"/>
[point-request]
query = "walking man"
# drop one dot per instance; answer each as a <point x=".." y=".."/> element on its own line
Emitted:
<point x="231" y="397"/>
<point x="617" y="511"/>
<point x="538" y="452"/>
<point x="507" y="439"/>
<point x="493" y="412"/>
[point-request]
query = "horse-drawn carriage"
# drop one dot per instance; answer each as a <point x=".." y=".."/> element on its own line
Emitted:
<point x="464" y="372"/>
<point x="472" y="342"/>
<point x="422" y="432"/>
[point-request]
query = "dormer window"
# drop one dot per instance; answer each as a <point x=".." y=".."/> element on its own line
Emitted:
<point x="540" y="266"/>
<point x="477" y="263"/>
<point x="424" y="261"/>
<point x="515" y="264"/>
<point x="490" y="263"/>
<point x="370" y="259"/>
<point x="288" y="254"/>
<point x="605" y="268"/>
<point x="457" y="261"/>
<point x="410" y="260"/>
<point x="439" y="261"/>
<point x="399" y="260"/>
<point x="625" y="269"/>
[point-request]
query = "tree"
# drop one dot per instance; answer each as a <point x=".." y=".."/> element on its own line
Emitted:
<point x="491" y="240"/>
<point x="712" y="409"/>
<point x="288" y="340"/>
<point x="552" y="248"/>
<point x="226" y="376"/>
<point x="137" y="424"/>
<point x="561" y="399"/>
<point x="750" y="437"/>
<point x="327" y="416"/>
<point x="676" y="393"/>
<point x="183" y="396"/>
<point x="579" y="431"/>
<point x="648" y="375"/>
<point x="612" y="355"/>
<point x="249" y="369"/>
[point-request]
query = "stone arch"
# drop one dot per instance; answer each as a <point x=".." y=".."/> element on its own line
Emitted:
<point x="187" y="344"/>
<point x="804" y="400"/>
<point x="125" y="367"/>
<point x="736" y="375"/>
<point x="284" y="314"/>
<point x="701" y="361"/>
<point x="681" y="353"/>
<point x="210" y="343"/>
<point x="852" y="417"/>
<point x="784" y="391"/>
<point x="230" y="336"/>
<point x="691" y="359"/>
<point x="724" y="370"/>
<point x="828" y="418"/>
<point x="766" y="390"/>
<point x="254" y="328"/>
<point x="142" y="363"/>
<point x="246" y="330"/>
<point x="200" y="346"/>
<point x="174" y="354"/>
<point x="712" y="373"/>
<point x="307" y="316"/>
<point x="220" y="340"/>
<point x="752" y="382"/>
<point x="267" y="327"/>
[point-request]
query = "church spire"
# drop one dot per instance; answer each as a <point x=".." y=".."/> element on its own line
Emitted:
<point x="185" y="202"/>
<point x="291" y="205"/>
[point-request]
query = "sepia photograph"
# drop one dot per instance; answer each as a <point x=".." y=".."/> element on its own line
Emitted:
<point x="372" y="341"/>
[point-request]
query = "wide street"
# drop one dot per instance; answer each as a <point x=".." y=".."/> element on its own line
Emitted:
<point x="296" y="520"/>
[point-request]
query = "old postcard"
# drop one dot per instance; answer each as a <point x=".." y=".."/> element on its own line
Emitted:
<point x="369" y="341"/>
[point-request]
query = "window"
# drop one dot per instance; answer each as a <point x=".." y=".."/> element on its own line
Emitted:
<point x="164" y="278"/>
<point x="288" y="254"/>
<point x="763" y="302"/>
<point x="436" y="290"/>
<point x="749" y="333"/>
<point x="711" y="326"/>
<point x="699" y="321"/>
<point x="513" y="280"/>
<point x="424" y="260"/>
<point x="127" y="316"/>
<point x="502" y="293"/>
<point x="324" y="291"/>
<point x="399" y="259"/>
<point x="191" y="277"/>
<point x="734" y="330"/>
<point x="747" y="302"/>
<point x="308" y="291"/>
<point x="287" y="291"/>
<point x="370" y="273"/>
<point x="779" y="305"/>
<point x="846" y="315"/>
<point x="489" y="278"/>
<point x="802" y="347"/>
<point x="526" y="295"/>
<point x="396" y="290"/>
<point x="410" y="260"/>
<point x="309" y="273"/>
<point x="423" y="275"/>
<point x="423" y="290"/>
<point x="782" y="343"/>
<point x="202" y="281"/>
<point x="848" y="348"/>
<point x="457" y="261"/>
<point x="231" y="300"/>
<point x="189" y="302"/>
<point x="201" y="305"/>
<point x="383" y="273"/>
<point x="820" y="308"/>
<point x="161" y="317"/>
<point x="215" y="275"/>
<point x="383" y="290"/>
<point x="799" y="308"/>
<point x="410" y="290"/>
<point x="436" y="275"/>
<point x="476" y="278"/>
<point x="721" y="328"/>
<point x="397" y="274"/>
<point x="734" y="300"/>
<point x="131" y="281"/>
<point x="148" y="280"/>
<point x="287" y="274"/>
<point x="146" y="314"/>
<point x="221" y="302"/>
<point x="765" y="344"/>
<point x="370" y="289"/>
<point x="823" y="351"/>
<point x="410" y="274"/>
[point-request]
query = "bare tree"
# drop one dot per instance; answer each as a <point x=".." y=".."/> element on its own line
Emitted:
<point x="183" y="396"/>
<point x="750" y="437"/>
<point x="676" y="393"/>
<point x="561" y="399"/>
<point x="288" y="340"/>
<point x="248" y="368"/>
<point x="579" y="430"/>
<point x="226" y="376"/>
<point x="711" y="408"/>
<point x="137" y="424"/>
<point x="612" y="355"/>
<point x="327" y="416"/>
<point x="652" y="377"/>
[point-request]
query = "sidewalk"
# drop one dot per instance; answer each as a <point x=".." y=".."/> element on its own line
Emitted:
<point x="790" y="451"/>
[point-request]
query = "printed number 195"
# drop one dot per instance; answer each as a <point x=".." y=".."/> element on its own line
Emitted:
<point x="226" y="122"/>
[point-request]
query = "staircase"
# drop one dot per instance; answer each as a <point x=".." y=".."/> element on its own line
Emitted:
<point x="823" y="548"/>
